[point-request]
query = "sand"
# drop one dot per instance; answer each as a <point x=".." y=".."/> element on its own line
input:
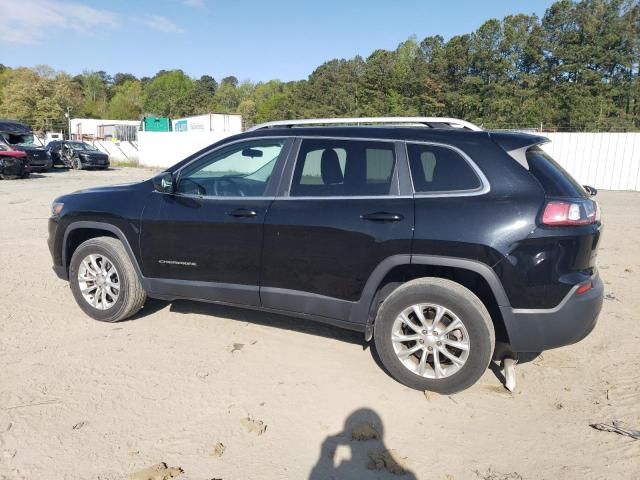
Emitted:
<point x="80" y="399"/>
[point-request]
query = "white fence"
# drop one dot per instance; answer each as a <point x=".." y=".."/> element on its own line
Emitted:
<point x="610" y="161"/>
<point x="163" y="149"/>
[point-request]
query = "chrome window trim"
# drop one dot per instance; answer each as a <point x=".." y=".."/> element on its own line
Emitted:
<point x="485" y="186"/>
<point x="345" y="197"/>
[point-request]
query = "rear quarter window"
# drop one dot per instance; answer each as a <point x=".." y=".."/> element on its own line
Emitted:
<point x="555" y="180"/>
<point x="436" y="168"/>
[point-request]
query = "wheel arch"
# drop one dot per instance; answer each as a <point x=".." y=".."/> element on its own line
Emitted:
<point x="81" y="231"/>
<point x="396" y="270"/>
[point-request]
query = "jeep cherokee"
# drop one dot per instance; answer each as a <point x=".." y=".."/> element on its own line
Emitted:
<point x="444" y="243"/>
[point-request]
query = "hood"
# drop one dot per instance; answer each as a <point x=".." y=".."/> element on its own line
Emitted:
<point x="13" y="153"/>
<point x="111" y="188"/>
<point x="28" y="149"/>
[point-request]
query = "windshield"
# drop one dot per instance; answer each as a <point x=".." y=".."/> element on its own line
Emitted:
<point x="81" y="146"/>
<point x="22" y="140"/>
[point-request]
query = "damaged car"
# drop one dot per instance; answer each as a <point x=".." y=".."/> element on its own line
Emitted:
<point x="13" y="163"/>
<point x="76" y="154"/>
<point x="20" y="137"/>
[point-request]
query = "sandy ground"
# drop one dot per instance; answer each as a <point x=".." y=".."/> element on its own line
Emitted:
<point x="233" y="394"/>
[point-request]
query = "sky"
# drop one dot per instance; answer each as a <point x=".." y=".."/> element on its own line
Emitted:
<point x="258" y="40"/>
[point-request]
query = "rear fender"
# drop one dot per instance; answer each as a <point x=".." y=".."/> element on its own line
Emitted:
<point x="366" y="307"/>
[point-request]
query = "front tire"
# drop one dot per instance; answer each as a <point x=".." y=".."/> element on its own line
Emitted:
<point x="104" y="282"/>
<point x="434" y="334"/>
<point x="77" y="163"/>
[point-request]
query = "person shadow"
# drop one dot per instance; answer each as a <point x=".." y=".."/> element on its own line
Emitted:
<point x="363" y="438"/>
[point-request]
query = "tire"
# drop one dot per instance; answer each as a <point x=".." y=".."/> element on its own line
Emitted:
<point x="77" y="163"/>
<point x="131" y="296"/>
<point x="432" y="295"/>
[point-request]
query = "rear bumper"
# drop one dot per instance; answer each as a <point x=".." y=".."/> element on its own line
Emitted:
<point x="534" y="330"/>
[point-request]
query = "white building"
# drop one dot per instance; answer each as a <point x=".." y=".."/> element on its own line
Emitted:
<point x="220" y="123"/>
<point x="94" y="128"/>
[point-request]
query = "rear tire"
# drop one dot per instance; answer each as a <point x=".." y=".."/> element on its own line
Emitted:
<point x="102" y="265"/>
<point x="419" y="352"/>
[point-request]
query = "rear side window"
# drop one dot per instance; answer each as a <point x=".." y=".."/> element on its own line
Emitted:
<point x="327" y="168"/>
<point x="555" y="180"/>
<point x="440" y="169"/>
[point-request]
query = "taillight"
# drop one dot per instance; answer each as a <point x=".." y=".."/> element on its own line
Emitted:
<point x="561" y="213"/>
<point x="584" y="288"/>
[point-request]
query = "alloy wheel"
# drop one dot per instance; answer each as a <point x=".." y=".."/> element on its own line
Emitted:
<point x="99" y="281"/>
<point x="430" y="340"/>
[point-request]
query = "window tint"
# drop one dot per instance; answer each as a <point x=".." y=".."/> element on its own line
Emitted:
<point x="343" y="168"/>
<point x="554" y="179"/>
<point x="242" y="170"/>
<point x="440" y="169"/>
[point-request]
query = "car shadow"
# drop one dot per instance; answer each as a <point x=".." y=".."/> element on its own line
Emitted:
<point x="256" y="317"/>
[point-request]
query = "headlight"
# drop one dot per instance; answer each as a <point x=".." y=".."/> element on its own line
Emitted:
<point x="56" y="208"/>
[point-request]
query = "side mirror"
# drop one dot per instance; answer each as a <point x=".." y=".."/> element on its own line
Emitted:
<point x="163" y="183"/>
<point x="590" y="190"/>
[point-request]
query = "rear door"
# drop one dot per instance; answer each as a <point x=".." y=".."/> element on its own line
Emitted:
<point x="340" y="216"/>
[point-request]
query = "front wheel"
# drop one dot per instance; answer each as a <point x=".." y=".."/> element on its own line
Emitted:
<point x="434" y="334"/>
<point x="103" y="280"/>
<point x="76" y="163"/>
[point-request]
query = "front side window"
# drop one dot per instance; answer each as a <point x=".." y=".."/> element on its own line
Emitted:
<point x="440" y="169"/>
<point x="327" y="168"/>
<point x="242" y="170"/>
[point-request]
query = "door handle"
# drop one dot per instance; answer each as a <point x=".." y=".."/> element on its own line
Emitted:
<point x="382" y="217"/>
<point x="242" y="212"/>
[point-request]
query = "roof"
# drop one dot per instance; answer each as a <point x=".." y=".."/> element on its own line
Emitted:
<point x="13" y="126"/>
<point x="508" y="141"/>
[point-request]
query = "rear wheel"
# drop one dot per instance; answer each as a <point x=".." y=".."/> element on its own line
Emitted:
<point x="434" y="334"/>
<point x="104" y="281"/>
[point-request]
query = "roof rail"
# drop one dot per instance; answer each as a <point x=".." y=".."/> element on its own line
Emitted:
<point x="433" y="122"/>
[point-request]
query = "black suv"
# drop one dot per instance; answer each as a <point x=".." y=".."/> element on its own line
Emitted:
<point x="444" y="243"/>
<point x="77" y="154"/>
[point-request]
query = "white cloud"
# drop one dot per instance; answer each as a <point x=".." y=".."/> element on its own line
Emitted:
<point x="193" y="3"/>
<point x="32" y="21"/>
<point x="158" y="22"/>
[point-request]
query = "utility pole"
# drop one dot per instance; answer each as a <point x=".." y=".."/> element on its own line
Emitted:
<point x="68" y="117"/>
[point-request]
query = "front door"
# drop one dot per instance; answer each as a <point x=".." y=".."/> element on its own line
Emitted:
<point x="205" y="240"/>
<point x="341" y="217"/>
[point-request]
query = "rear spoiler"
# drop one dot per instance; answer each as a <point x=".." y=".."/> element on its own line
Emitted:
<point x="516" y="144"/>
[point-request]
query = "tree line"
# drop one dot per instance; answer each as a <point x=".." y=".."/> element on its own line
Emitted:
<point x="576" y="68"/>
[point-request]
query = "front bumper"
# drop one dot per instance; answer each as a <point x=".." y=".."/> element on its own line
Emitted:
<point x="54" y="242"/>
<point x="42" y="165"/>
<point x="536" y="330"/>
<point x="94" y="161"/>
<point x="14" y="167"/>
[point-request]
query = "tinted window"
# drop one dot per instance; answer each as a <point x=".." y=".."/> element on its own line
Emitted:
<point x="343" y="168"/>
<point x="241" y="170"/>
<point x="554" y="179"/>
<point x="440" y="169"/>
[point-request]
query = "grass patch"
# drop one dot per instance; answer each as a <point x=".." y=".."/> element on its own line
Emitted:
<point x="126" y="163"/>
